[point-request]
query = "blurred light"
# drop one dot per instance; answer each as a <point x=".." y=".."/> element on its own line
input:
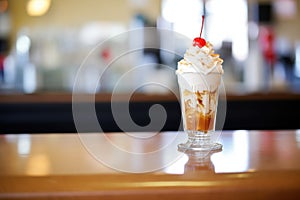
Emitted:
<point x="235" y="155"/>
<point x="24" y="144"/>
<point x="38" y="7"/>
<point x="3" y="5"/>
<point x="222" y="22"/>
<point x="253" y="30"/>
<point x="297" y="60"/>
<point x="9" y="70"/>
<point x="286" y="9"/>
<point x="38" y="165"/>
<point x="94" y="32"/>
<point x="23" y="44"/>
<point x="231" y="23"/>
<point x="185" y="15"/>
<point x="29" y="78"/>
<point x="298" y="137"/>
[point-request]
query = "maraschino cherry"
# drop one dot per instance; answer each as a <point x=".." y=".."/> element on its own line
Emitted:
<point x="198" y="41"/>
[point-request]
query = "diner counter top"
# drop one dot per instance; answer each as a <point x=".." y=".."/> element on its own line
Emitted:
<point x="252" y="165"/>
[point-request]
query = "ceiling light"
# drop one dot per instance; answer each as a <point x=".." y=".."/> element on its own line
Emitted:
<point x="38" y="7"/>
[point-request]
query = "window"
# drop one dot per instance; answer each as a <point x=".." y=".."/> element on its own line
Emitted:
<point x="225" y="21"/>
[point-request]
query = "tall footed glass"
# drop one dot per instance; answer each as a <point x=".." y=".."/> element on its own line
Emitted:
<point x="199" y="100"/>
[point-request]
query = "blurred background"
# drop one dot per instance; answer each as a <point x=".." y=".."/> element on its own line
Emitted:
<point x="43" y="42"/>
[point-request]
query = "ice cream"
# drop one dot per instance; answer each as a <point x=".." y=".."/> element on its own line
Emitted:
<point x="202" y="60"/>
<point x="199" y="75"/>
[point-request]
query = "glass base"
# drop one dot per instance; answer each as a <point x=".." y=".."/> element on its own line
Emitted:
<point x="199" y="141"/>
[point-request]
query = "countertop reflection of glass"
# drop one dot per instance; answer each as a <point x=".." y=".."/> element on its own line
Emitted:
<point x="233" y="158"/>
<point x="249" y="151"/>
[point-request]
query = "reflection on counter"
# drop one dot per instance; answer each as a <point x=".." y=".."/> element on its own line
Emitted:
<point x="44" y="50"/>
<point x="54" y="154"/>
<point x="234" y="157"/>
<point x="243" y="151"/>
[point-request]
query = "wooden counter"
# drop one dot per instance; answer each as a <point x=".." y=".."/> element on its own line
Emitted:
<point x="252" y="165"/>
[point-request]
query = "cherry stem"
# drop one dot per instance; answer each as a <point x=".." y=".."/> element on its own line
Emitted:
<point x="202" y="25"/>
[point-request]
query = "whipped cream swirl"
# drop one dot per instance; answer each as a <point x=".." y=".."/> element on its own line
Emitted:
<point x="202" y="60"/>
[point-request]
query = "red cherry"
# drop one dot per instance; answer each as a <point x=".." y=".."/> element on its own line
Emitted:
<point x="200" y="42"/>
